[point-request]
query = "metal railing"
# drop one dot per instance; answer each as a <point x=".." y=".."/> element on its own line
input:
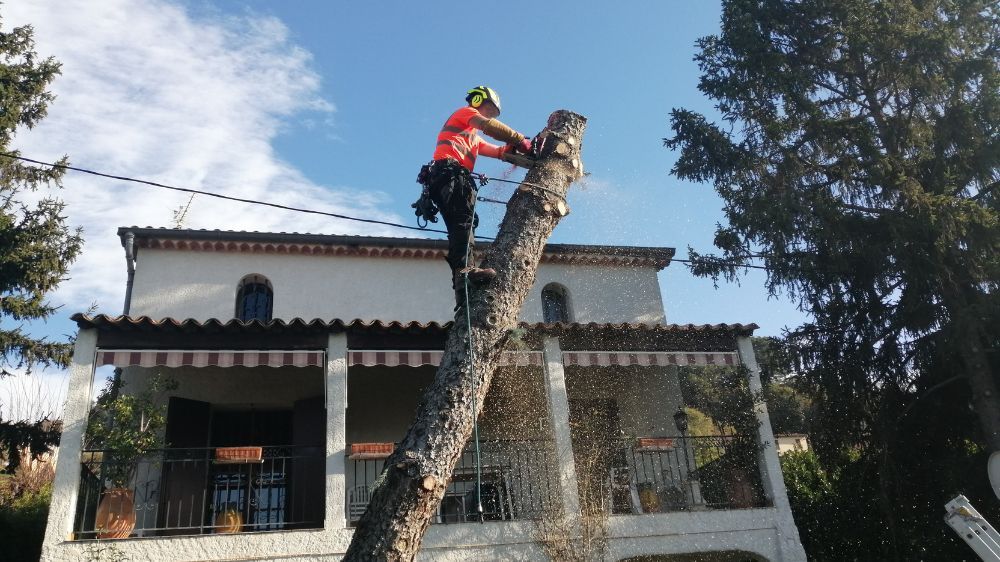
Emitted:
<point x="186" y="491"/>
<point x="678" y="474"/>
<point x="518" y="479"/>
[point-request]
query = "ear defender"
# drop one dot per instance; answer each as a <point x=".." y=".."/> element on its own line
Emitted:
<point x="476" y="97"/>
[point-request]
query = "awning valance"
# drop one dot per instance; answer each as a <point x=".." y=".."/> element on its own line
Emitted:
<point x="397" y="358"/>
<point x="213" y="358"/>
<point x="647" y="358"/>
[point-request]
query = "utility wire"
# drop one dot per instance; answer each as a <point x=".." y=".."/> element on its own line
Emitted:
<point x="481" y="177"/>
<point x="226" y="197"/>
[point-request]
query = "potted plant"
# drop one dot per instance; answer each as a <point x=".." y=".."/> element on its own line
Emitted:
<point x="124" y="427"/>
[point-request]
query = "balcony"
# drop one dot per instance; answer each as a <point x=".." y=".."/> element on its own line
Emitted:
<point x="192" y="492"/>
<point x="662" y="475"/>
<point x="518" y="483"/>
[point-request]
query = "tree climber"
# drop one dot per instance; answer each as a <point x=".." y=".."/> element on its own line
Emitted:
<point x="448" y="180"/>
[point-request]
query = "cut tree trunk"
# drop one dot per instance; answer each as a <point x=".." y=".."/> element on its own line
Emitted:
<point x="416" y="475"/>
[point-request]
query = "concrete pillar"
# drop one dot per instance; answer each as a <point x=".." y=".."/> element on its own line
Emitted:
<point x="66" y="486"/>
<point x="558" y="402"/>
<point x="770" y="468"/>
<point x="336" y="431"/>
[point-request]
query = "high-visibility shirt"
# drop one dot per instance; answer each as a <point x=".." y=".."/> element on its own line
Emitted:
<point x="459" y="141"/>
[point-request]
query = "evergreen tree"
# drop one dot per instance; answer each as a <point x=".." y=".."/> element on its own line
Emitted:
<point x="858" y="159"/>
<point x="36" y="244"/>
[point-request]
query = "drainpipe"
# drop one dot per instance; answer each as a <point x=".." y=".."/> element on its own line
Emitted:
<point x="129" y="244"/>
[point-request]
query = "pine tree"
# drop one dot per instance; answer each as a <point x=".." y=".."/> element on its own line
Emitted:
<point x="36" y="244"/>
<point x="858" y="158"/>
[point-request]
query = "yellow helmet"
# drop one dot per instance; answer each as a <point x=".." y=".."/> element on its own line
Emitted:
<point x="480" y="94"/>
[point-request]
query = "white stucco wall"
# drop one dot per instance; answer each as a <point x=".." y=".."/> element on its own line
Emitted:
<point x="646" y="397"/>
<point x="749" y="531"/>
<point x="202" y="285"/>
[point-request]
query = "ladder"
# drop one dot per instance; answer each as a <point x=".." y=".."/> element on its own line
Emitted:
<point x="974" y="530"/>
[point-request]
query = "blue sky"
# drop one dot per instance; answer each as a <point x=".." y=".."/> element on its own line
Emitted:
<point x="335" y="105"/>
<point x="396" y="70"/>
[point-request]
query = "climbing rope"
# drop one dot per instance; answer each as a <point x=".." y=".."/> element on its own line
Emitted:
<point x="484" y="179"/>
<point x="472" y="365"/>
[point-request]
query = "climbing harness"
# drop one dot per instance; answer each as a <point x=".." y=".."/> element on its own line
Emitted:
<point x="484" y="179"/>
<point x="424" y="207"/>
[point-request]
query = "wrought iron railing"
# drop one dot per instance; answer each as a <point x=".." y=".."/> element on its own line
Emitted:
<point x="676" y="474"/>
<point x="189" y="491"/>
<point x="518" y="482"/>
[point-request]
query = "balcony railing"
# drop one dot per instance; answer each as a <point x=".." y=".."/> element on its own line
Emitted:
<point x="518" y="479"/>
<point x="679" y="474"/>
<point x="188" y="491"/>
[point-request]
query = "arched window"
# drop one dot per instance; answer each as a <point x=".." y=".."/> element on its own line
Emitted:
<point x="555" y="303"/>
<point x="254" y="299"/>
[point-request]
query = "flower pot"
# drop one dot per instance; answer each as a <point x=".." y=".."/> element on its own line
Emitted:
<point x="116" y="514"/>
<point x="371" y="450"/>
<point x="649" y="500"/>
<point x="655" y="443"/>
<point x="228" y="521"/>
<point x="238" y="455"/>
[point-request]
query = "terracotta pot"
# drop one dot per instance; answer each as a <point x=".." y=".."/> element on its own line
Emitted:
<point x="658" y="443"/>
<point x="228" y="521"/>
<point x="238" y="454"/>
<point x="371" y="450"/>
<point x="649" y="500"/>
<point x="116" y="514"/>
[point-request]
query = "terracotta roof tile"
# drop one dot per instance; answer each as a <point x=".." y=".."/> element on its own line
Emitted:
<point x="146" y="324"/>
<point x="378" y="246"/>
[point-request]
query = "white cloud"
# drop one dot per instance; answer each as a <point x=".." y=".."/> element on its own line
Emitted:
<point x="149" y="91"/>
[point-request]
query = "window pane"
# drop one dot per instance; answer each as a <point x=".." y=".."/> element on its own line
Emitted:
<point x="554" y="306"/>
<point x="254" y="300"/>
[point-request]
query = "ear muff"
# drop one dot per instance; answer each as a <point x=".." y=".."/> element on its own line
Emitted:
<point x="476" y="97"/>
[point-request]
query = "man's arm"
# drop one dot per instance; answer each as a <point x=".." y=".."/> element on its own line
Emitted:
<point x="492" y="150"/>
<point x="496" y="129"/>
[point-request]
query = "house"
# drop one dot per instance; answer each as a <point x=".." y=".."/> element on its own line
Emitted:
<point x="304" y="356"/>
<point x="791" y="442"/>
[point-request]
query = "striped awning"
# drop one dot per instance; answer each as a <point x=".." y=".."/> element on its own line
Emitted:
<point x="647" y="358"/>
<point x="396" y="358"/>
<point x="213" y="358"/>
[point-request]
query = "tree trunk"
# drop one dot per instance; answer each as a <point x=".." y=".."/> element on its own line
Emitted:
<point x="413" y="483"/>
<point x="968" y="337"/>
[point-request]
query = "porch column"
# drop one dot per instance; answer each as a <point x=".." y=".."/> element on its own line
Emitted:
<point x="558" y="402"/>
<point x="336" y="431"/>
<point x="66" y="486"/>
<point x="767" y="459"/>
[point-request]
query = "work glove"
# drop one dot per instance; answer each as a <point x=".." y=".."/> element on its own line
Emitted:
<point x="524" y="147"/>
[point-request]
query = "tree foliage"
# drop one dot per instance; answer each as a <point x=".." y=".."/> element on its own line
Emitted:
<point x="127" y="426"/>
<point x="858" y="159"/>
<point x="36" y="244"/>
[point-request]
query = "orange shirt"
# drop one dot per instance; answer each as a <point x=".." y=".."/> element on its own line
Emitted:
<point x="458" y="139"/>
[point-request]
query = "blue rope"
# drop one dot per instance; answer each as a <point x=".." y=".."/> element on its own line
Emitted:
<point x="472" y="363"/>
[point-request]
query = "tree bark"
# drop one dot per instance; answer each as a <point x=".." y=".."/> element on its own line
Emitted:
<point x="969" y="337"/>
<point x="416" y="475"/>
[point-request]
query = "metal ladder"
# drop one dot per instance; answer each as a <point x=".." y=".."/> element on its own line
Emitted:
<point x="973" y="528"/>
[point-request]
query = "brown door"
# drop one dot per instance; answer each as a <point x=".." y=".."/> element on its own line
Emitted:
<point x="184" y="485"/>
<point x="307" y="478"/>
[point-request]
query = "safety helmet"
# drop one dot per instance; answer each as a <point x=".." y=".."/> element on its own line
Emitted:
<point x="480" y="94"/>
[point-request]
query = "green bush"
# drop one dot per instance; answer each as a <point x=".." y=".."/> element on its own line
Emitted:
<point x="22" y="524"/>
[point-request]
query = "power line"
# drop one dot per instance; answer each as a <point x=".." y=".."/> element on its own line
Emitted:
<point x="226" y="197"/>
<point x="315" y="212"/>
